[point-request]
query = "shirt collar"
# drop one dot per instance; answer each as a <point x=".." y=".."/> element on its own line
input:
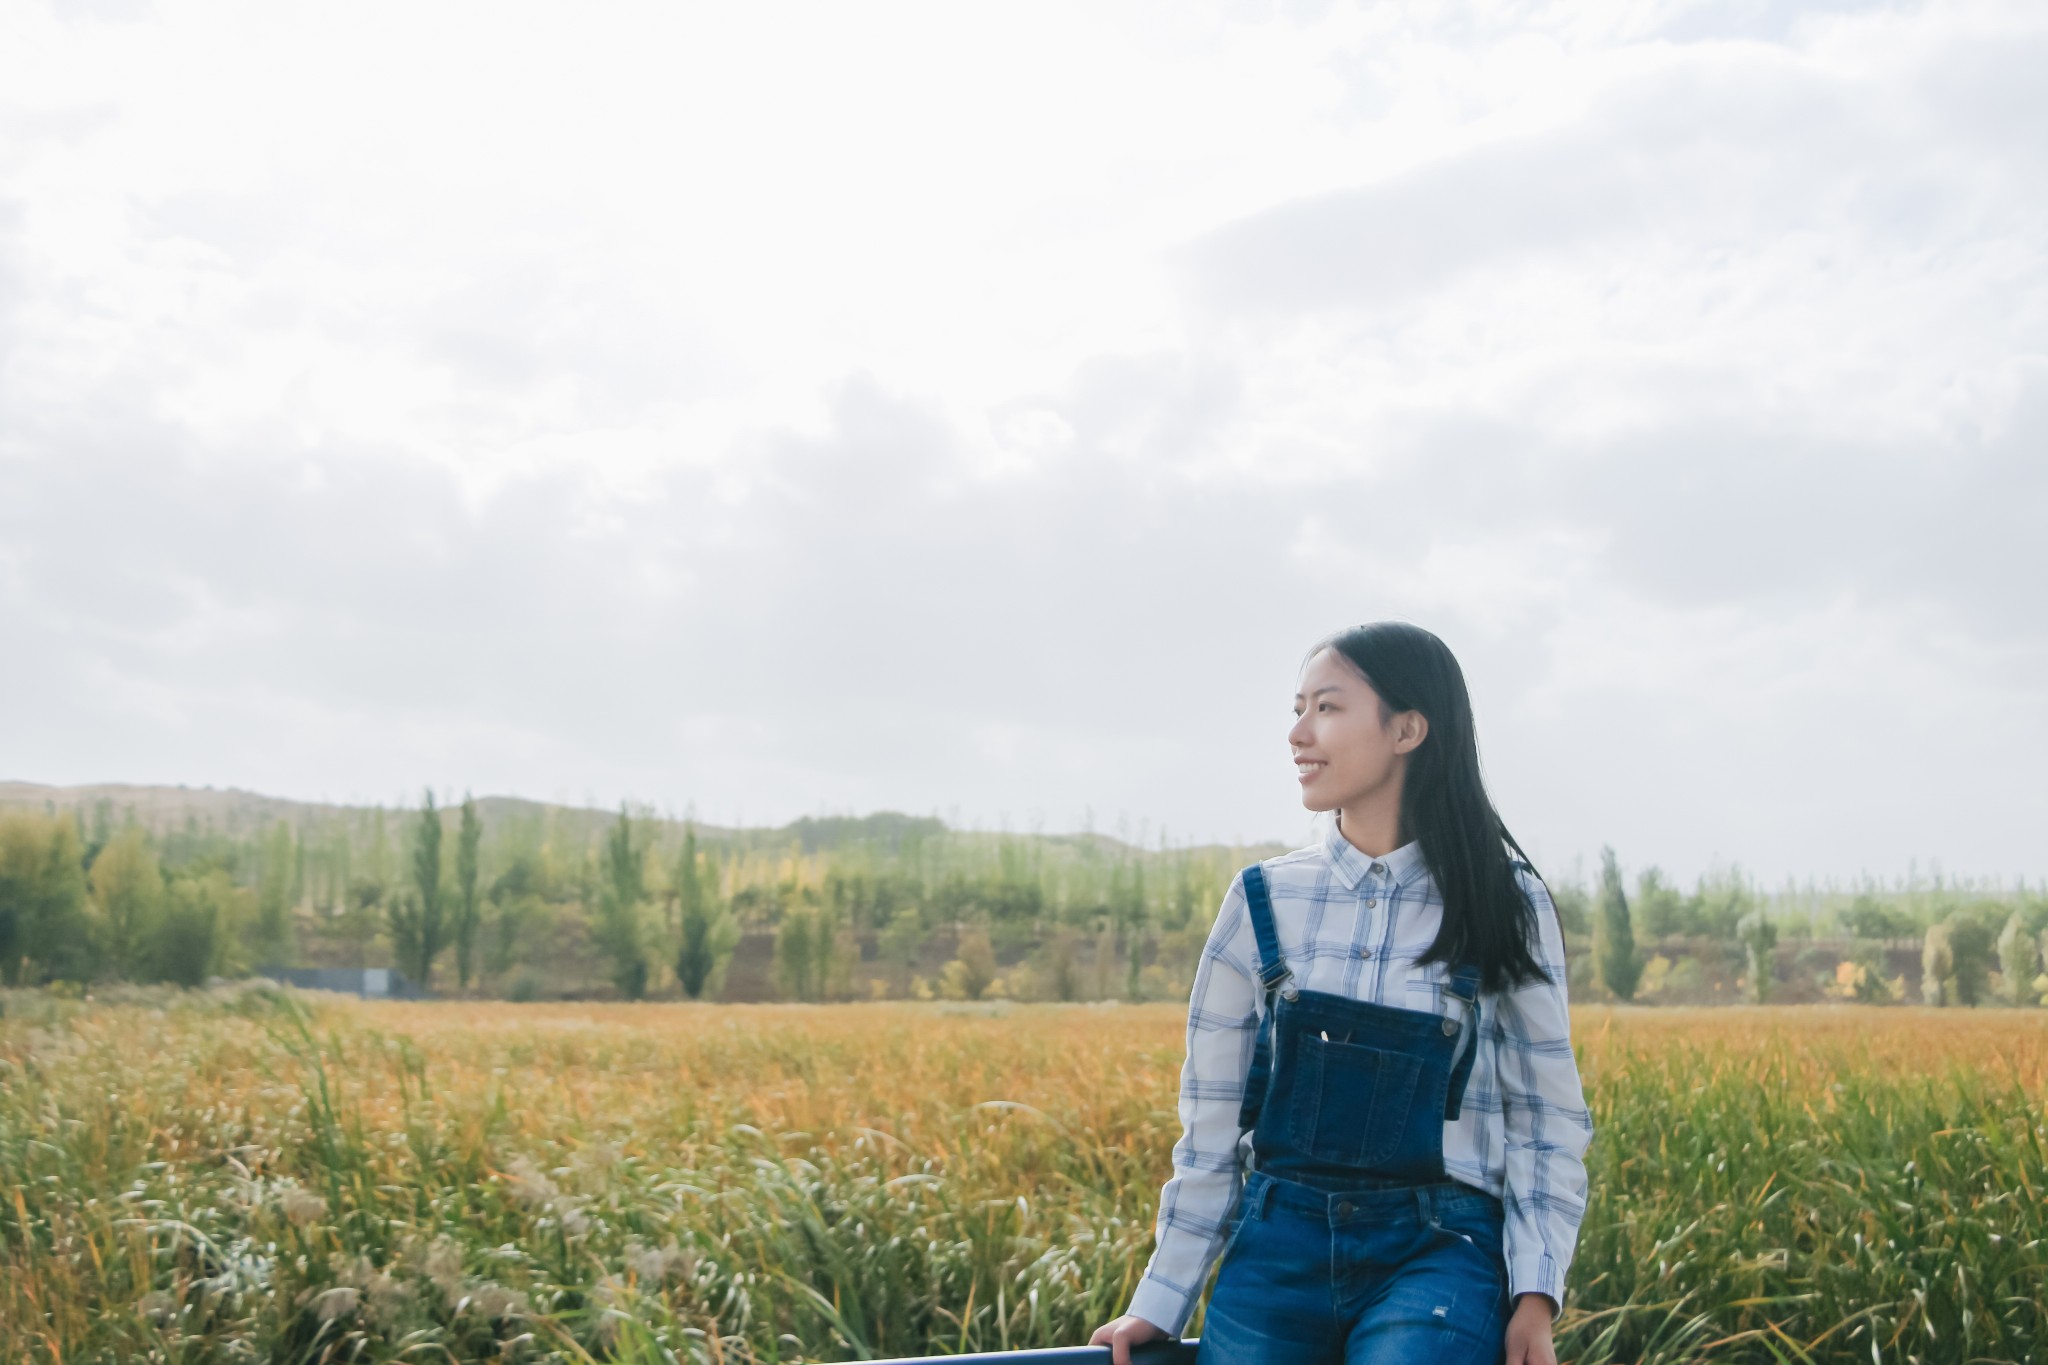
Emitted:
<point x="1353" y="866"/>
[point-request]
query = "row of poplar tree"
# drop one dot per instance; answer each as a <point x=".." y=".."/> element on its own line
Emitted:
<point x="1973" y="949"/>
<point x="539" y="898"/>
<point x="84" y="908"/>
<point x="534" y="900"/>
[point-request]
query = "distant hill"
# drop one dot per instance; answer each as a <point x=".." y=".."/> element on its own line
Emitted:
<point x="228" y="810"/>
<point x="241" y="814"/>
<point x="238" y="813"/>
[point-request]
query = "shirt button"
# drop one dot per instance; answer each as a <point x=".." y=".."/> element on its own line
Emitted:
<point x="1377" y="870"/>
<point x="1365" y="952"/>
<point x="1450" y="1026"/>
<point x="1371" y="901"/>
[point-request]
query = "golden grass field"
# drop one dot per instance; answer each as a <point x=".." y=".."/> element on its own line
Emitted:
<point x="249" y="1176"/>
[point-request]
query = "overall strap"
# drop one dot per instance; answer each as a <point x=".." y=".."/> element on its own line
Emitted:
<point x="1272" y="971"/>
<point x="1272" y="966"/>
<point x="1464" y="984"/>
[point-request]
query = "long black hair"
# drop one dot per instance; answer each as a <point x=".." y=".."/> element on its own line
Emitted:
<point x="1487" y="921"/>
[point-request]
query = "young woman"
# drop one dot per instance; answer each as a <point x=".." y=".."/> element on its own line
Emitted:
<point x="1383" y="1129"/>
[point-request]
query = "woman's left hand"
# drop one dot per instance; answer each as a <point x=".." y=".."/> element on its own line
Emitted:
<point x="1529" y="1332"/>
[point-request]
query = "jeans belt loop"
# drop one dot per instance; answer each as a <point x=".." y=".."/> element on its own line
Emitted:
<point x="1422" y="1204"/>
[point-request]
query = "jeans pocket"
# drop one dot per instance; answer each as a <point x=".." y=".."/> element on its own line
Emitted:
<point x="1351" y="1101"/>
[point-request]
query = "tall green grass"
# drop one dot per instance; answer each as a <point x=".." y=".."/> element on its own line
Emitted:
<point x="244" y="1177"/>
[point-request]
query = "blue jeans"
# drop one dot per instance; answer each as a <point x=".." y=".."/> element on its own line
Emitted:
<point x="1398" y="1275"/>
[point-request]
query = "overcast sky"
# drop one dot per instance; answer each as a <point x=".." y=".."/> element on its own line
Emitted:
<point x="980" y="408"/>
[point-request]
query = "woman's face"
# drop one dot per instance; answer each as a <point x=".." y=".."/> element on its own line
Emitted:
<point x="1342" y="752"/>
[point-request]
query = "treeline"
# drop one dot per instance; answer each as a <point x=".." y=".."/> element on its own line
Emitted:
<point x="537" y="903"/>
<point x="526" y="901"/>
<point x="1970" y="944"/>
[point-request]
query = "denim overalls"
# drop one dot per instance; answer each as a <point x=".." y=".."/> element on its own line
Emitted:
<point x="1350" y="1244"/>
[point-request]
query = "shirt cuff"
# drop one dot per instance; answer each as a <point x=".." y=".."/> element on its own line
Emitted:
<point x="1162" y="1305"/>
<point x="1538" y="1274"/>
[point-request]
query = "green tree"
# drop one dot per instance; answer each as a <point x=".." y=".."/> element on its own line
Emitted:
<point x="271" y="939"/>
<point x="1057" y="965"/>
<point x="1103" y="987"/>
<point x="46" y="933"/>
<point x="417" y="930"/>
<point x="468" y="912"/>
<point x="968" y="976"/>
<point x="361" y="912"/>
<point x="797" y="952"/>
<point x="1868" y="917"/>
<point x="1718" y="904"/>
<point x="1615" y="960"/>
<point x="2018" y="960"/>
<point x="102" y="830"/>
<point x="1938" y="966"/>
<point x="1659" y="908"/>
<point x="1973" y="936"/>
<point x="403" y="918"/>
<point x="188" y="934"/>
<point x="709" y="934"/>
<point x="517" y="919"/>
<point x="128" y="887"/>
<point x="331" y="898"/>
<point x="619" y="893"/>
<point x="517" y="895"/>
<point x="902" y="940"/>
<point x="1013" y="903"/>
<point x="834" y="950"/>
<point x="379" y="869"/>
<point x="1180" y="905"/>
<point x="2041" y="981"/>
<point x="1759" y="938"/>
<point x="1127" y="901"/>
<point x="1574" y="909"/>
<point x="21" y="842"/>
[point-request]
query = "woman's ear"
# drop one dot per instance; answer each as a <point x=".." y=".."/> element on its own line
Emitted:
<point x="1410" y="729"/>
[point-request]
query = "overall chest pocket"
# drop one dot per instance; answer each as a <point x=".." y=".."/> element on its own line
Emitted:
<point x="1351" y="1101"/>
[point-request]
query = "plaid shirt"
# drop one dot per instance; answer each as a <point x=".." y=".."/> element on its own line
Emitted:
<point x="1352" y="925"/>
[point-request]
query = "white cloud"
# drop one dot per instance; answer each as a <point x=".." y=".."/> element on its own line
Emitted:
<point x="927" y="407"/>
